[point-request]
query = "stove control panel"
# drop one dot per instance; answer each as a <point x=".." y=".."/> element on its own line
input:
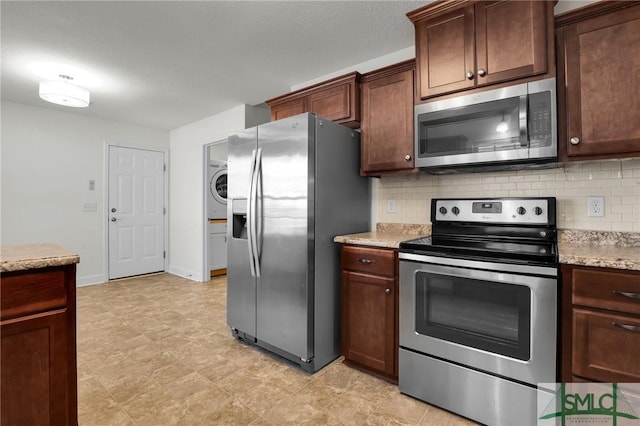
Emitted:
<point x="494" y="210"/>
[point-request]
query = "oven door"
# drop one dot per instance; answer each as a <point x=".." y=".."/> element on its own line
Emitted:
<point x="497" y="318"/>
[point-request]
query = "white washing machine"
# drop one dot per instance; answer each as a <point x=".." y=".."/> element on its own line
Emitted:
<point x="217" y="202"/>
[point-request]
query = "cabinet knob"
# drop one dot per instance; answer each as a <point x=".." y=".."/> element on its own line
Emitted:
<point x="469" y="75"/>
<point x="482" y="72"/>
<point x="407" y="157"/>
<point x="366" y="261"/>
<point x="574" y="140"/>
<point x="388" y="291"/>
<point x="113" y="210"/>
<point x="113" y="219"/>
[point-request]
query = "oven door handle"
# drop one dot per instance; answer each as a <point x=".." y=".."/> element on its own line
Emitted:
<point x="548" y="271"/>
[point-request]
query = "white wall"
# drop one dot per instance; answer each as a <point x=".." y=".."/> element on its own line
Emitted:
<point x="48" y="158"/>
<point x="187" y="179"/>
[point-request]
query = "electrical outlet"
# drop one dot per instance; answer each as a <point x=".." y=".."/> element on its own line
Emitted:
<point x="391" y="206"/>
<point x="595" y="206"/>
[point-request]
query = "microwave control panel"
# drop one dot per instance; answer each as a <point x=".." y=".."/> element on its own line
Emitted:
<point x="539" y="119"/>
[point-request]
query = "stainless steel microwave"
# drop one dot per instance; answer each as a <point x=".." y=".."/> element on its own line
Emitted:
<point x="512" y="125"/>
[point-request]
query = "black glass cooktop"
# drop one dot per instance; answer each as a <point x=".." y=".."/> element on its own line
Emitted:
<point x="474" y="247"/>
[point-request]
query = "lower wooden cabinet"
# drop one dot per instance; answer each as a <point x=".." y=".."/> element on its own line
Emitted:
<point x="369" y="320"/>
<point x="38" y="347"/>
<point x="601" y="324"/>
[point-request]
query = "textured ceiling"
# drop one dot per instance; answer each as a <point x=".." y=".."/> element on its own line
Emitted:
<point x="164" y="64"/>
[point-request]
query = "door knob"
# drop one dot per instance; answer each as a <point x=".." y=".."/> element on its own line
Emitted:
<point x="574" y="140"/>
<point x="407" y="157"/>
<point x="113" y="219"/>
<point x="113" y="209"/>
<point x="469" y="75"/>
<point x="482" y="72"/>
<point x="388" y="291"/>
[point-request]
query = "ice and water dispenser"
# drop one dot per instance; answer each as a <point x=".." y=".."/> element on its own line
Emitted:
<point x="239" y="217"/>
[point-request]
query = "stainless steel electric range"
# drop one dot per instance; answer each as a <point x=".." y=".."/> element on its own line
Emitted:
<point x="478" y="308"/>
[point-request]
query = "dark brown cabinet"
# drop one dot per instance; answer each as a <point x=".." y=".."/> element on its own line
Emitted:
<point x="369" y="320"/>
<point x="600" y="324"/>
<point x="38" y="344"/>
<point x="387" y="119"/>
<point x="337" y="100"/>
<point x="462" y="45"/>
<point x="598" y="66"/>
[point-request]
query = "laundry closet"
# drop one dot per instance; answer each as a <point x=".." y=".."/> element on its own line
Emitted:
<point x="216" y="204"/>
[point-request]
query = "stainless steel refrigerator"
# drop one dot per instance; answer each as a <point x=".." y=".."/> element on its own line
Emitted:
<point x="293" y="184"/>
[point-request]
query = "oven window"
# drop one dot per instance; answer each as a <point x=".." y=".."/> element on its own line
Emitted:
<point x="494" y="317"/>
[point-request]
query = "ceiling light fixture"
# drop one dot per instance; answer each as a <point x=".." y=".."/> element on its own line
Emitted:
<point x="62" y="92"/>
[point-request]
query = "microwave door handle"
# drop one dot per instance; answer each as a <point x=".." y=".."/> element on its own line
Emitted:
<point x="522" y="118"/>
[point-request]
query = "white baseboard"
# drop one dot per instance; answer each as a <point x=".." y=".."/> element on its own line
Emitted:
<point x="90" y="280"/>
<point x="186" y="273"/>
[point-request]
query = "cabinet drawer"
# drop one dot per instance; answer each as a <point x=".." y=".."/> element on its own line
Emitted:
<point x="369" y="260"/>
<point x="30" y="293"/>
<point x="618" y="291"/>
<point x="606" y="347"/>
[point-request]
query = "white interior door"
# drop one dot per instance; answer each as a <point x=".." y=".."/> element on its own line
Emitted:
<point x="136" y="211"/>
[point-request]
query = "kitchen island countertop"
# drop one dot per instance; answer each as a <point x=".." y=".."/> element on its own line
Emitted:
<point x="33" y="256"/>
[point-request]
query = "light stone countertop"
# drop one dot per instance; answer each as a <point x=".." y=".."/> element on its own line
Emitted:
<point x="33" y="256"/>
<point x="618" y="250"/>
<point x="387" y="235"/>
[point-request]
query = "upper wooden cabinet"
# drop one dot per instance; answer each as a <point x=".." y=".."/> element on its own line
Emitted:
<point x="598" y="66"/>
<point x="337" y="100"/>
<point x="387" y="119"/>
<point x="462" y="45"/>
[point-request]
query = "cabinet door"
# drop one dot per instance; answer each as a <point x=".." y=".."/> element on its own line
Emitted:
<point x="34" y="369"/>
<point x="288" y="109"/>
<point x="217" y="251"/>
<point x="387" y="123"/>
<point x="368" y="321"/>
<point x="445" y="52"/>
<point x="602" y="59"/>
<point x="606" y="347"/>
<point x="511" y="40"/>
<point x="333" y="103"/>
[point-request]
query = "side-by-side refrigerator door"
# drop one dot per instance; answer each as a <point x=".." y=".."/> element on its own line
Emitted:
<point x="285" y="194"/>
<point x="241" y="283"/>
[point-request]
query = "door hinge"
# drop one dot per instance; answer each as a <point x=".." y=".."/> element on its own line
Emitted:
<point x="164" y="254"/>
<point x="164" y="167"/>
<point x="164" y="210"/>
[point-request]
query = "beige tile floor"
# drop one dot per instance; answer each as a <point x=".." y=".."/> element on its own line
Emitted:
<point x="156" y="350"/>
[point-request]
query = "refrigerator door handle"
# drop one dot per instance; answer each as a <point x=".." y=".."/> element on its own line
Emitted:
<point x="253" y="201"/>
<point x="250" y="218"/>
<point x="257" y="218"/>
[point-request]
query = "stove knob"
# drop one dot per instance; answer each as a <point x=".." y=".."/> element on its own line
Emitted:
<point x="443" y="210"/>
<point x="455" y="211"/>
<point x="521" y="210"/>
<point x="537" y="211"/>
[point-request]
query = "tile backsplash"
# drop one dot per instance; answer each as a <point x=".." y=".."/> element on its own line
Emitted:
<point x="618" y="181"/>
